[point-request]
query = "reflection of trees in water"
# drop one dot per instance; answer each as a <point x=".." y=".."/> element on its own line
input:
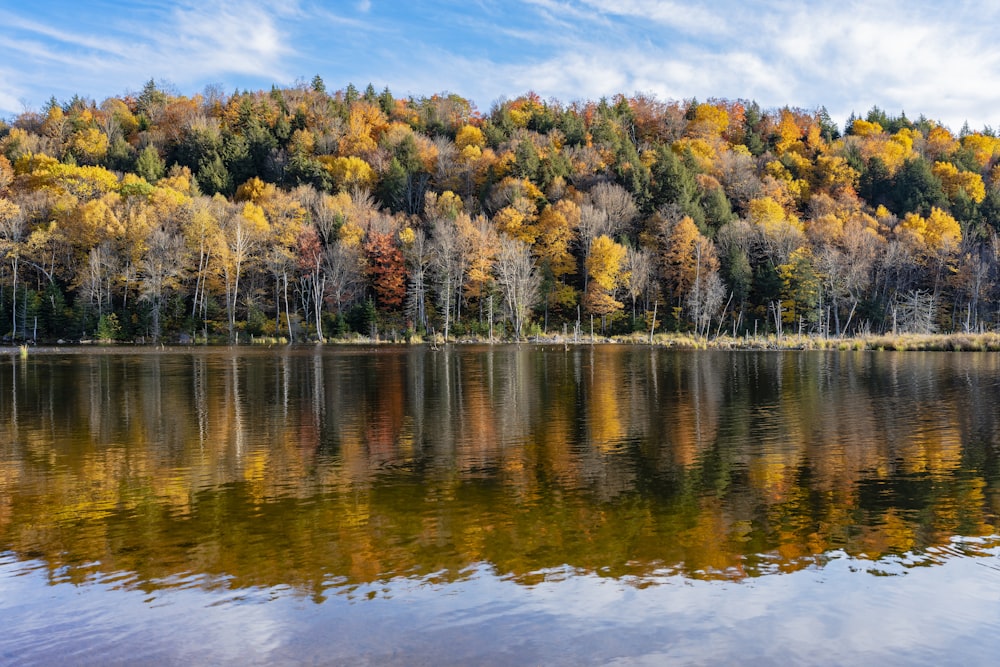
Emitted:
<point x="303" y="465"/>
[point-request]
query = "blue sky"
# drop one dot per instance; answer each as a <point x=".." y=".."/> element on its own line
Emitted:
<point x="922" y="57"/>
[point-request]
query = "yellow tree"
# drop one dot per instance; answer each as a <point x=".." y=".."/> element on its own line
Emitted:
<point x="955" y="182"/>
<point x="605" y="269"/>
<point x="89" y="146"/>
<point x="940" y="143"/>
<point x="514" y="200"/>
<point x="557" y="226"/>
<point x="286" y="216"/>
<point x="201" y="235"/>
<point x="483" y="242"/>
<point x="349" y="173"/>
<point x="12" y="230"/>
<point x="365" y="126"/>
<point x="242" y="228"/>
<point x="678" y="260"/>
<point x="934" y="239"/>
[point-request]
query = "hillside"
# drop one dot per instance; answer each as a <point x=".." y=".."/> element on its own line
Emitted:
<point x="306" y="214"/>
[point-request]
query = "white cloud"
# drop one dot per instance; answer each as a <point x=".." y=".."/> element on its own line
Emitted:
<point x="64" y="37"/>
<point x="9" y="93"/>
<point x="224" y="38"/>
<point x="686" y="16"/>
<point x="918" y="56"/>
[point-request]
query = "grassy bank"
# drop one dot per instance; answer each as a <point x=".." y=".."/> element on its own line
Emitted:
<point x="985" y="342"/>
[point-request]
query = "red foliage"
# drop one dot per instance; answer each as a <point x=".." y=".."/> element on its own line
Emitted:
<point x="386" y="269"/>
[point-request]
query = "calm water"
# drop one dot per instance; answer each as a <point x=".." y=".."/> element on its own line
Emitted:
<point x="499" y="505"/>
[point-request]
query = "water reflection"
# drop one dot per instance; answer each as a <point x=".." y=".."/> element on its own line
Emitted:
<point x="323" y="471"/>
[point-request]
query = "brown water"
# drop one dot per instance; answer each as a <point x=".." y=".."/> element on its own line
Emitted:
<point x="499" y="505"/>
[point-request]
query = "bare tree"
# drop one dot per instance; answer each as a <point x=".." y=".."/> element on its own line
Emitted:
<point x="518" y="280"/>
<point x="640" y="268"/>
<point x="418" y="260"/>
<point x="12" y="233"/>
<point x="617" y="203"/>
<point x="448" y="263"/>
<point x="158" y="272"/>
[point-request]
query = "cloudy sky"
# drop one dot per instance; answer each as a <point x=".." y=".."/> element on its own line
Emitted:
<point x="926" y="57"/>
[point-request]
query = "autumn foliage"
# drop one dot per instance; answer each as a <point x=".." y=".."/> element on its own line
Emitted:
<point x="303" y="213"/>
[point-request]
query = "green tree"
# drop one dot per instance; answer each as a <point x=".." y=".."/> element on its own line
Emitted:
<point x="150" y="165"/>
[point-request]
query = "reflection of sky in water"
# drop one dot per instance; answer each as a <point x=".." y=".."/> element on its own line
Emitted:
<point x="842" y="613"/>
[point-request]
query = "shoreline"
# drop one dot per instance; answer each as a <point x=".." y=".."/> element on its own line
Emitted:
<point x="981" y="342"/>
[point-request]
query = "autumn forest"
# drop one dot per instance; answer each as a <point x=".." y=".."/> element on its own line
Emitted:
<point x="304" y="214"/>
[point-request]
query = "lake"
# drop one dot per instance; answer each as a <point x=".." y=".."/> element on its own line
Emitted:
<point x="499" y="505"/>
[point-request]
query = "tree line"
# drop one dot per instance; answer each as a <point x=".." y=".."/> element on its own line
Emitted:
<point x="305" y="214"/>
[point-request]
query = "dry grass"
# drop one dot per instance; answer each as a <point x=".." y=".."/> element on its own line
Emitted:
<point x="958" y="342"/>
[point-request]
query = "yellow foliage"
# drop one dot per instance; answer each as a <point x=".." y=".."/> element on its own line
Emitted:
<point x="348" y="172"/>
<point x="520" y="118"/>
<point x="8" y="210"/>
<point x="982" y="147"/>
<point x="469" y="135"/>
<point x="940" y="142"/>
<point x="365" y="126"/>
<point x="834" y="174"/>
<point x="254" y="215"/>
<point x="862" y="128"/>
<point x="803" y="166"/>
<point x="444" y="205"/>
<point x="407" y="236"/>
<point x="765" y="212"/>
<point x="166" y="199"/>
<point x="427" y="151"/>
<point x="789" y="134"/>
<point x="893" y="151"/>
<point x="777" y="170"/>
<point x="96" y="221"/>
<point x="179" y="180"/>
<point x="605" y="262"/>
<point x="351" y="234"/>
<point x="740" y="149"/>
<point x="943" y="231"/>
<point x="31" y="163"/>
<point x="709" y="121"/>
<point x="905" y="139"/>
<point x="134" y="181"/>
<point x="514" y="222"/>
<point x="511" y="189"/>
<point x="47" y="173"/>
<point x="778" y="190"/>
<point x="54" y="122"/>
<point x="481" y="237"/>
<point x="954" y="181"/>
<point x="704" y="153"/>
<point x="471" y="153"/>
<point x="120" y="112"/>
<point x="556" y="231"/>
<point x="15" y="144"/>
<point x="938" y="232"/>
<point x="814" y="137"/>
<point x="89" y="145"/>
<point x="250" y="191"/>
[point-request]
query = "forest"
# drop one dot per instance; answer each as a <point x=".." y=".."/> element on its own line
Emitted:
<point x="302" y="214"/>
